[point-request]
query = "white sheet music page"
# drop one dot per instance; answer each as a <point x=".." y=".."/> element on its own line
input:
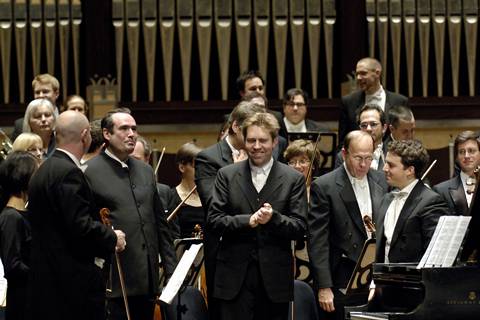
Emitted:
<point x="446" y="242"/>
<point x="176" y="281"/>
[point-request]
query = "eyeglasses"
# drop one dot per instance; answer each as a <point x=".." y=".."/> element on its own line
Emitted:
<point x="302" y="163"/>
<point x="372" y="124"/>
<point x="292" y="104"/>
<point x="362" y="159"/>
<point x="463" y="152"/>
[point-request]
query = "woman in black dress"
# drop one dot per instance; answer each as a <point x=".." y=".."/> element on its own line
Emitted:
<point x="15" y="236"/>
<point x="191" y="213"/>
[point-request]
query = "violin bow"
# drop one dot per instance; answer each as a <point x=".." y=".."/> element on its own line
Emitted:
<point x="428" y="170"/>
<point x="104" y="213"/>
<point x="175" y="211"/>
<point x="159" y="161"/>
<point x="310" y="167"/>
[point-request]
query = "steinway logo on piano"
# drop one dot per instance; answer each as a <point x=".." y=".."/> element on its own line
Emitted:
<point x="472" y="298"/>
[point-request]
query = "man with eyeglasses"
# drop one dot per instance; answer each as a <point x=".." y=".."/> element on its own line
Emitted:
<point x="340" y="200"/>
<point x="370" y="91"/>
<point x="295" y="112"/>
<point x="371" y="119"/>
<point x="458" y="191"/>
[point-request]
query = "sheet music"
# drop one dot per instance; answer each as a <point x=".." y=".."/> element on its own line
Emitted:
<point x="446" y="242"/>
<point x="176" y="281"/>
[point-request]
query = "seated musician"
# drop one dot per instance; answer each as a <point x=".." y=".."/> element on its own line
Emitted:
<point x="408" y="214"/>
<point x="458" y="191"/>
<point x="298" y="155"/>
<point x="191" y="213"/>
<point x="295" y="108"/>
<point x="339" y="201"/>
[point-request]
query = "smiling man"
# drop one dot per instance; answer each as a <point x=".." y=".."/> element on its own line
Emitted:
<point x="127" y="187"/>
<point x="458" y="191"/>
<point x="370" y="91"/>
<point x="258" y="206"/>
<point x="408" y="214"/>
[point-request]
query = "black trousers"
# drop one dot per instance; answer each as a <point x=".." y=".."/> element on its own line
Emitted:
<point x="252" y="302"/>
<point x="141" y="307"/>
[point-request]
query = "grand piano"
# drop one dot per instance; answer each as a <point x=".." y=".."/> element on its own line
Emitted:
<point x="405" y="292"/>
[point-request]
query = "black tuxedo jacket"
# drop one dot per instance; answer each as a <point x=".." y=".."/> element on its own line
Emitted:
<point x="415" y="225"/>
<point x="335" y="224"/>
<point x="66" y="237"/>
<point x="207" y="164"/>
<point x="234" y="200"/>
<point x="135" y="208"/>
<point x="353" y="102"/>
<point x="454" y="195"/>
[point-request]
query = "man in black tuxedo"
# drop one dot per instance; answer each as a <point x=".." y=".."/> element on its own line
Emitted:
<point x="69" y="242"/>
<point x="409" y="214"/>
<point x="368" y="72"/>
<point x="339" y="202"/>
<point x="127" y="187"/>
<point x="207" y="163"/>
<point x="43" y="86"/>
<point x="258" y="206"/>
<point x="295" y="114"/>
<point x="458" y="191"/>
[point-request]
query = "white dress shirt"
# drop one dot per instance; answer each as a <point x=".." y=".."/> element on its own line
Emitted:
<point x="235" y="152"/>
<point x="464" y="177"/>
<point x="377" y="155"/>
<point x="378" y="98"/>
<point x="299" y="127"/>
<point x="362" y="194"/>
<point x="260" y="174"/>
<point x="393" y="212"/>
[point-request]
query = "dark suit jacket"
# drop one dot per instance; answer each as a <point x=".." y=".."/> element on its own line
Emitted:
<point x="165" y="195"/>
<point x="66" y="236"/>
<point x="415" y="225"/>
<point x="336" y="226"/>
<point x="353" y="102"/>
<point x="207" y="164"/>
<point x="454" y="195"/>
<point x="234" y="200"/>
<point x="135" y="208"/>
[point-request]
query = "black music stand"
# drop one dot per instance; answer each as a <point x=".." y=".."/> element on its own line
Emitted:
<point x="188" y="303"/>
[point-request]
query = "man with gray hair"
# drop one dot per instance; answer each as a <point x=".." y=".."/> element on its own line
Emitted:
<point x="68" y="240"/>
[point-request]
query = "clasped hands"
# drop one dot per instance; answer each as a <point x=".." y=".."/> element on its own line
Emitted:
<point x="261" y="216"/>
<point x="121" y="243"/>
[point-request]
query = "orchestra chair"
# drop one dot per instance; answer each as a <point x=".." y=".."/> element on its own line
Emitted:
<point x="304" y="301"/>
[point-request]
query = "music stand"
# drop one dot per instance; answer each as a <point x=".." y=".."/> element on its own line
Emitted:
<point x="178" y="309"/>
<point x="361" y="277"/>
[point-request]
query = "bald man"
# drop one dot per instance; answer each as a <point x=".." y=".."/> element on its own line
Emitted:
<point x="69" y="243"/>
<point x="370" y="91"/>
